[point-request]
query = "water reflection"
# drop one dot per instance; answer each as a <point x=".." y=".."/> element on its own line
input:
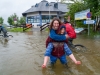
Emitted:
<point x="3" y="41"/>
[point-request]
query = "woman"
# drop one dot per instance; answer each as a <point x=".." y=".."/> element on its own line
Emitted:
<point x="54" y="29"/>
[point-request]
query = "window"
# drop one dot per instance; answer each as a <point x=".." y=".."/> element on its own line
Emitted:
<point x="45" y="18"/>
<point x="36" y="5"/>
<point x="47" y="4"/>
<point x="56" y="5"/>
<point x="53" y="16"/>
<point x="36" y="19"/>
<point x="33" y="19"/>
<point x="30" y="19"/>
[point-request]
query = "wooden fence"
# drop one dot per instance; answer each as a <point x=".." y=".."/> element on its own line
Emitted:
<point x="26" y="26"/>
<point x="44" y="26"/>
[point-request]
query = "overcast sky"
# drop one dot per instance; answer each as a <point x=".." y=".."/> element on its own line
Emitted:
<point x="9" y="7"/>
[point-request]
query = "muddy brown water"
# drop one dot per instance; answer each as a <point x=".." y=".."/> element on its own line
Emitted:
<point x="23" y="55"/>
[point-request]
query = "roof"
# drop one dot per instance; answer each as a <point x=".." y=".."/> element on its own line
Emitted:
<point x="62" y="7"/>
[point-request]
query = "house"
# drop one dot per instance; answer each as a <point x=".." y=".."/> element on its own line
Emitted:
<point x="44" y="12"/>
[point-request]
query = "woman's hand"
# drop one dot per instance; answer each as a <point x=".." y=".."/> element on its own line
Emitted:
<point x="43" y="66"/>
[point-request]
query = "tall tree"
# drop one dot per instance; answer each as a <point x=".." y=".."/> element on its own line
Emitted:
<point x="22" y="20"/>
<point x="1" y="20"/>
<point x="12" y="18"/>
<point x="93" y="5"/>
<point x="75" y="7"/>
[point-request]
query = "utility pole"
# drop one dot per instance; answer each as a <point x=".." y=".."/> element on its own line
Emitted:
<point x="49" y="12"/>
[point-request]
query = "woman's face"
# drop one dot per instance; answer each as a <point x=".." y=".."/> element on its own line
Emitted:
<point x="55" y="24"/>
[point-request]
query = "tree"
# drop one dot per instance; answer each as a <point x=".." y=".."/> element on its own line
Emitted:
<point x="22" y="20"/>
<point x="12" y="18"/>
<point x="93" y="5"/>
<point x="75" y="7"/>
<point x="1" y="20"/>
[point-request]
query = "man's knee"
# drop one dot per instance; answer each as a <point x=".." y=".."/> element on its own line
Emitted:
<point x="53" y="59"/>
<point x="63" y="59"/>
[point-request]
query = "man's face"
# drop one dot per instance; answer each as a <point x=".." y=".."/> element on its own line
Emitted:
<point x="55" y="24"/>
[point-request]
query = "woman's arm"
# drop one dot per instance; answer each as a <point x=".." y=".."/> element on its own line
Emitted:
<point x="55" y="36"/>
<point x="67" y="50"/>
<point x="74" y="59"/>
<point x="69" y="53"/>
<point x="48" y="49"/>
<point x="46" y="58"/>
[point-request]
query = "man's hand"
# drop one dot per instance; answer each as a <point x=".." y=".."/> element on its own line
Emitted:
<point x="67" y="36"/>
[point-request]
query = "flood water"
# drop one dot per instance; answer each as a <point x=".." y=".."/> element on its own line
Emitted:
<point x="23" y="55"/>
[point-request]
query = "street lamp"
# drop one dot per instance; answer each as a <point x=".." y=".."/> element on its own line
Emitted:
<point x="58" y="9"/>
<point x="49" y="12"/>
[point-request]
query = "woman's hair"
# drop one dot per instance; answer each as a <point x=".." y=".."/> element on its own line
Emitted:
<point x="55" y="19"/>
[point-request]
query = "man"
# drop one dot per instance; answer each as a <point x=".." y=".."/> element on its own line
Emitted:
<point x="3" y="30"/>
<point x="70" y="31"/>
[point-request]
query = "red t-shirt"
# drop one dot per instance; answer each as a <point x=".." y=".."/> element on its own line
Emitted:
<point x="70" y="30"/>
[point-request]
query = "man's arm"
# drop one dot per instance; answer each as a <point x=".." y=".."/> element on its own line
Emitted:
<point x="70" y="31"/>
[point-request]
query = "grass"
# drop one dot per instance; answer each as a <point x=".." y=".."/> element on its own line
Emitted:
<point x="47" y="29"/>
<point x="18" y="29"/>
<point x="92" y="34"/>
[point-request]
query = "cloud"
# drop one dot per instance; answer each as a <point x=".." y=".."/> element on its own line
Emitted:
<point x="9" y="7"/>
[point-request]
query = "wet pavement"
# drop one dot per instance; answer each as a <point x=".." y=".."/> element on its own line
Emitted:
<point x="23" y="55"/>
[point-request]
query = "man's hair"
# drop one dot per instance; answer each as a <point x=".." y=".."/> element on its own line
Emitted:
<point x="66" y="22"/>
<point x="55" y="19"/>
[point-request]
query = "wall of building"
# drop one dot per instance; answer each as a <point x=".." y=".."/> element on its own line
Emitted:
<point x="47" y="13"/>
<point x="32" y="14"/>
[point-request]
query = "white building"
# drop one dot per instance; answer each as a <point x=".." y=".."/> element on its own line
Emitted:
<point x="44" y="12"/>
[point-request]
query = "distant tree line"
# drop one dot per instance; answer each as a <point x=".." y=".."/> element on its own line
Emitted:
<point x="11" y="20"/>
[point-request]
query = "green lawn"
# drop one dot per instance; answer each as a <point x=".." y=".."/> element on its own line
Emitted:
<point x="18" y="29"/>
